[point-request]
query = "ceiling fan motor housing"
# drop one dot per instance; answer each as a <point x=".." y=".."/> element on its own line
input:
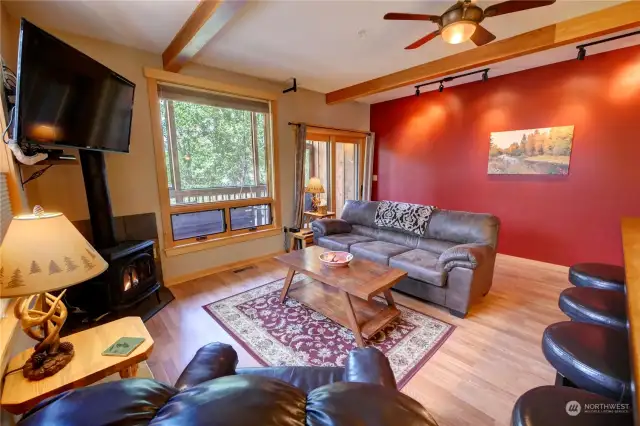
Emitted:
<point x="467" y="12"/>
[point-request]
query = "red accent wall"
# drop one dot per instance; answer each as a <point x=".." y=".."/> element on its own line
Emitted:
<point x="434" y="150"/>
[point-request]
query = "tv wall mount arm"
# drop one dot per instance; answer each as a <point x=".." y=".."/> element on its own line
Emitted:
<point x="28" y="160"/>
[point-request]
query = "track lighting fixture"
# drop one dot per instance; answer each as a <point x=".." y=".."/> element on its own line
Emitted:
<point x="485" y="77"/>
<point x="582" y="51"/>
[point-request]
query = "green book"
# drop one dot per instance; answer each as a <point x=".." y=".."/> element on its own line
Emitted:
<point x="123" y="346"/>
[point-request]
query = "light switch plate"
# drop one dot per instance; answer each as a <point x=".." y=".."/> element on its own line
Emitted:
<point x="375" y="178"/>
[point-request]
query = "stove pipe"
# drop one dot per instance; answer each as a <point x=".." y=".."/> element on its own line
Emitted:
<point x="95" y="185"/>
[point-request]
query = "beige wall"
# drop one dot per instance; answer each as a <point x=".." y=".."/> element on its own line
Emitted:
<point x="132" y="177"/>
<point x="9" y="29"/>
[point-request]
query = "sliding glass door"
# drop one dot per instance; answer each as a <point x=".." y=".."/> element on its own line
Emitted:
<point x="335" y="159"/>
<point x="318" y="164"/>
<point x="347" y="173"/>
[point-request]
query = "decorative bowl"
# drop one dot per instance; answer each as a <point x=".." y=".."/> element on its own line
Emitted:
<point x="336" y="259"/>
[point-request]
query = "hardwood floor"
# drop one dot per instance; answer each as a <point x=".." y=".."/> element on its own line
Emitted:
<point x="491" y="358"/>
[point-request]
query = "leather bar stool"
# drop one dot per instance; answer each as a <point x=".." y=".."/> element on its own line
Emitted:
<point x="558" y="405"/>
<point x="597" y="275"/>
<point x="592" y="357"/>
<point x="592" y="305"/>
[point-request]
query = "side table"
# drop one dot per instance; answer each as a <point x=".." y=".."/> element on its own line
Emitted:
<point x="309" y="217"/>
<point x="87" y="366"/>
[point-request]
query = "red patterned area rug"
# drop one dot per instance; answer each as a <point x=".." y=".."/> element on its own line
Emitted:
<point x="293" y="334"/>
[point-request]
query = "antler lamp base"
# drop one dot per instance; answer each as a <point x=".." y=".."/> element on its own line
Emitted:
<point x="43" y="323"/>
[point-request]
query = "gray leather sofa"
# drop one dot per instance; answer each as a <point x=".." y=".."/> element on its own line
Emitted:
<point x="451" y="264"/>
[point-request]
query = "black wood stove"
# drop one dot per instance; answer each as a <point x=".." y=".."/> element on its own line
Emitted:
<point x="131" y="275"/>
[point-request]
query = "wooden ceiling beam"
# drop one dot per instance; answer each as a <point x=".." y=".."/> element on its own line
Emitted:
<point x="208" y="18"/>
<point x="602" y="22"/>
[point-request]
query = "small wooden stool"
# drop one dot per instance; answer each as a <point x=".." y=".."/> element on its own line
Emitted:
<point x="301" y="236"/>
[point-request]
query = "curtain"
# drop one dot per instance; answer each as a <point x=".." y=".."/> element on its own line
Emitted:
<point x="298" y="184"/>
<point x="368" y="166"/>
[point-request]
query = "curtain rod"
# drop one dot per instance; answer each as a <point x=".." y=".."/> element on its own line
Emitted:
<point x="292" y="123"/>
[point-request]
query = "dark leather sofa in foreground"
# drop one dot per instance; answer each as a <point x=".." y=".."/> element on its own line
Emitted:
<point x="212" y="392"/>
<point x="451" y="264"/>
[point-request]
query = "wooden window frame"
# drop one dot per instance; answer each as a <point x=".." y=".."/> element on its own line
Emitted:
<point x="172" y="247"/>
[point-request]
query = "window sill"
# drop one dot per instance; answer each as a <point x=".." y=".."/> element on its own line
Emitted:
<point x="223" y="241"/>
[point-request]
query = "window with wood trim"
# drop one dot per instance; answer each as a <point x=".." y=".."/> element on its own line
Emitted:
<point x="217" y="162"/>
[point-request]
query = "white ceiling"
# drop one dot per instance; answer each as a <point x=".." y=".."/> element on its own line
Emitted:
<point x="325" y="44"/>
<point x="147" y="25"/>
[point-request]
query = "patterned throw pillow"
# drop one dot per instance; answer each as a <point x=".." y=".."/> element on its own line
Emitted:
<point x="411" y="218"/>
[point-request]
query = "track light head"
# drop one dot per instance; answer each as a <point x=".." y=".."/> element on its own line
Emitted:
<point x="417" y="91"/>
<point x="441" y="88"/>
<point x="582" y="53"/>
<point x="485" y="75"/>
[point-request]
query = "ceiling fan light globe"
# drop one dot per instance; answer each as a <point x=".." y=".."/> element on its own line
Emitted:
<point x="458" y="32"/>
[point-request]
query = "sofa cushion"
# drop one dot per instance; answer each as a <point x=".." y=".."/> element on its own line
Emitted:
<point x="231" y="401"/>
<point x="360" y="212"/>
<point x="463" y="227"/>
<point x="122" y="402"/>
<point x="365" y="230"/>
<point x="377" y="251"/>
<point x="303" y="378"/>
<point x="349" y="404"/>
<point x="420" y="265"/>
<point x="435" y="246"/>
<point x="341" y="242"/>
<point x="409" y="241"/>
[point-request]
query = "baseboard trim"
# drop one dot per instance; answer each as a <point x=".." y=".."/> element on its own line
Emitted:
<point x="540" y="263"/>
<point x="216" y="269"/>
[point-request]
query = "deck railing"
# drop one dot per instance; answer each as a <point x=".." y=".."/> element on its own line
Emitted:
<point x="221" y="193"/>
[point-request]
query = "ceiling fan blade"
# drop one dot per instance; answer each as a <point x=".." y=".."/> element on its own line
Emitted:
<point x="411" y="17"/>
<point x="515" y="6"/>
<point x="458" y="5"/>
<point x="423" y="40"/>
<point x="482" y="36"/>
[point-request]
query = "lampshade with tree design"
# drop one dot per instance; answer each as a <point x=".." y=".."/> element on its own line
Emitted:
<point x="43" y="252"/>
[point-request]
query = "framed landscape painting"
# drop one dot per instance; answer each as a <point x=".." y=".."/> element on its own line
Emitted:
<point x="544" y="151"/>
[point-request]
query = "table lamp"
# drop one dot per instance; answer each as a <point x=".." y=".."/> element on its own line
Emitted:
<point x="44" y="252"/>
<point x="314" y="187"/>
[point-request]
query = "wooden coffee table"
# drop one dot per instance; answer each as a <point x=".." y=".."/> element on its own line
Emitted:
<point x="344" y="294"/>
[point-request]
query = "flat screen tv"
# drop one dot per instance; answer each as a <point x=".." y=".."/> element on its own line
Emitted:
<point x="66" y="99"/>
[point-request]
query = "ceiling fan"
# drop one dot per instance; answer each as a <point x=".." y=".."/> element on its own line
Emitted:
<point x="461" y="21"/>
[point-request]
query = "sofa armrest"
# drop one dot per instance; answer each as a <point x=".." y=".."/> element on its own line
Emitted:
<point x="210" y="362"/>
<point x="369" y="365"/>
<point x="323" y="227"/>
<point x="463" y="256"/>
